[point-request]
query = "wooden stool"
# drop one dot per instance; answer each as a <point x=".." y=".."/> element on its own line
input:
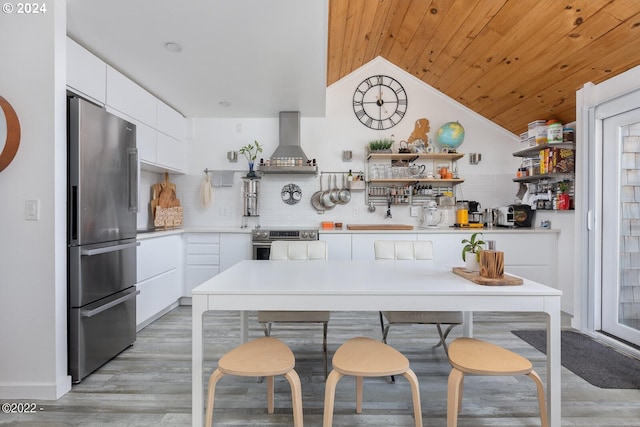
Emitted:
<point x="366" y="357"/>
<point x="263" y="357"/>
<point x="472" y="356"/>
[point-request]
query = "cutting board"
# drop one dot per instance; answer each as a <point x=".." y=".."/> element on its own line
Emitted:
<point x="379" y="227"/>
<point x="475" y="277"/>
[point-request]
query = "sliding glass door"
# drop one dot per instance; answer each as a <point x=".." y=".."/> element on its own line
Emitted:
<point x="620" y="180"/>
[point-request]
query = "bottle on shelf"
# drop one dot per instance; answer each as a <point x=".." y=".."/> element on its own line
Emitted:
<point x="350" y="176"/>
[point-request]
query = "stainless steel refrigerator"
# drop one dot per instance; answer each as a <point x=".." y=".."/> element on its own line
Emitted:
<point x="102" y="205"/>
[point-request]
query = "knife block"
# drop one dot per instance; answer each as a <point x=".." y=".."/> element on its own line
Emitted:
<point x="491" y="264"/>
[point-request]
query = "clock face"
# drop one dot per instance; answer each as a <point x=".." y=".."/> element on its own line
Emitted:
<point x="380" y="102"/>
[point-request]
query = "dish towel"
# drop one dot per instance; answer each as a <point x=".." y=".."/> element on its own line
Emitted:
<point x="205" y="191"/>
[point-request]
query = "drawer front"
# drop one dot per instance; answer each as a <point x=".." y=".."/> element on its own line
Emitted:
<point x="156" y="256"/>
<point x="203" y="238"/>
<point x="203" y="248"/>
<point x="203" y="259"/>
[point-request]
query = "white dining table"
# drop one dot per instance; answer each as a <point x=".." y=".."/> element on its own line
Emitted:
<point x="367" y="286"/>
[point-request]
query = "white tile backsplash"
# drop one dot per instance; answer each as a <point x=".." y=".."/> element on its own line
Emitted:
<point x="227" y="202"/>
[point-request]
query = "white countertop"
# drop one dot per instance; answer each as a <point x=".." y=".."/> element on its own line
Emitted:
<point x="448" y="230"/>
<point x="344" y="230"/>
<point x="162" y="233"/>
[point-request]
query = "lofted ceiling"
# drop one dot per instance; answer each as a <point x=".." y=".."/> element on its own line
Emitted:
<point x="511" y="61"/>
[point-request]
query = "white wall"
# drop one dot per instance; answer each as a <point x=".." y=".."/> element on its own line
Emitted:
<point x="33" y="328"/>
<point x="489" y="182"/>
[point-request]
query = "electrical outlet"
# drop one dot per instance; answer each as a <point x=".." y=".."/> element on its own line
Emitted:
<point x="414" y="210"/>
<point x="356" y="211"/>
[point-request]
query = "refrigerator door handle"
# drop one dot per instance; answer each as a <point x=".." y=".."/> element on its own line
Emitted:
<point x="73" y="214"/>
<point x="133" y="180"/>
<point x="96" y="311"/>
<point x="106" y="249"/>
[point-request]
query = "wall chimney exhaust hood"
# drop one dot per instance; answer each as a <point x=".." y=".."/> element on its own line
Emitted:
<point x="289" y="157"/>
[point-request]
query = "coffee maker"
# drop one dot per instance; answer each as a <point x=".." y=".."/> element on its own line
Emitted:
<point x="475" y="212"/>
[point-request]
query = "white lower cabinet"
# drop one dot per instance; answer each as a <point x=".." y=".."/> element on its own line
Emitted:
<point x="531" y="255"/>
<point x="362" y="244"/>
<point x="338" y="245"/>
<point x="202" y="259"/>
<point x="234" y="247"/>
<point x="159" y="269"/>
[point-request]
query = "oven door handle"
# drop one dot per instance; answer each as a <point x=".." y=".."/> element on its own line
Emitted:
<point x="106" y="249"/>
<point x="96" y="311"/>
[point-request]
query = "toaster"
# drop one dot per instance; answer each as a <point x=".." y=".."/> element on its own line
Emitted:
<point x="505" y="216"/>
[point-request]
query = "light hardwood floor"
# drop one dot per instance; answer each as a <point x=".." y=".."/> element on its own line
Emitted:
<point x="149" y="384"/>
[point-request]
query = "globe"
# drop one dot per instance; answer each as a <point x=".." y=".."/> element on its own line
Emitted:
<point x="451" y="135"/>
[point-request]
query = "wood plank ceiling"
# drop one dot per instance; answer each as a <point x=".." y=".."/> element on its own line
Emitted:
<point x="512" y="61"/>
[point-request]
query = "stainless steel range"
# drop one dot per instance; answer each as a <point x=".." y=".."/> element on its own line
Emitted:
<point x="261" y="239"/>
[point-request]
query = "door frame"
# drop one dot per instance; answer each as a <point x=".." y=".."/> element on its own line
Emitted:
<point x="611" y="259"/>
<point x="593" y="109"/>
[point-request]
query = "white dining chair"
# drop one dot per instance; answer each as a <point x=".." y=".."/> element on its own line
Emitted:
<point x="282" y="250"/>
<point x="413" y="250"/>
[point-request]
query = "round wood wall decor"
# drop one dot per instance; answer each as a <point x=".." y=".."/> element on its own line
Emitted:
<point x="12" y="138"/>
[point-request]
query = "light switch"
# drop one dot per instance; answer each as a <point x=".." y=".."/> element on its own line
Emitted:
<point x="32" y="210"/>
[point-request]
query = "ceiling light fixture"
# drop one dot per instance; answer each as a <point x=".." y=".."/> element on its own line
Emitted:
<point x="173" y="47"/>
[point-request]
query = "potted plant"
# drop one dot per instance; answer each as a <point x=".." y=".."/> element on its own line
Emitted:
<point x="381" y="145"/>
<point x="474" y="246"/>
<point x="563" y="198"/>
<point x="250" y="151"/>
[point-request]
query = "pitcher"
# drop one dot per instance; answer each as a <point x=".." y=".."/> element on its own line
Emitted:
<point x="416" y="170"/>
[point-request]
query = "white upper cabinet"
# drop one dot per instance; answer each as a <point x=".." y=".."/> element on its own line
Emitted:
<point x="126" y="96"/>
<point x="161" y="130"/>
<point x="170" y="121"/>
<point x="146" y="138"/>
<point x="86" y="73"/>
<point x="171" y="153"/>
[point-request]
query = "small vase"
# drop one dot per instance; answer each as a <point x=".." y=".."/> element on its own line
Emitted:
<point x="251" y="173"/>
<point x="471" y="262"/>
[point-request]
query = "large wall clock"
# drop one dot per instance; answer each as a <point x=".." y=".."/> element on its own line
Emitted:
<point x="380" y="102"/>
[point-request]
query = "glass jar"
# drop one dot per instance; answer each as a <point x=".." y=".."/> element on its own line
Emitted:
<point x="554" y="132"/>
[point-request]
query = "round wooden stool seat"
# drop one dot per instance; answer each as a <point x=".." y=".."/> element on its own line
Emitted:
<point x="472" y="356"/>
<point x="482" y="358"/>
<point x="263" y="357"/>
<point x="366" y="357"/>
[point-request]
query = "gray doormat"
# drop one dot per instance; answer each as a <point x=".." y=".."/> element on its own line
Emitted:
<point x="595" y="363"/>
